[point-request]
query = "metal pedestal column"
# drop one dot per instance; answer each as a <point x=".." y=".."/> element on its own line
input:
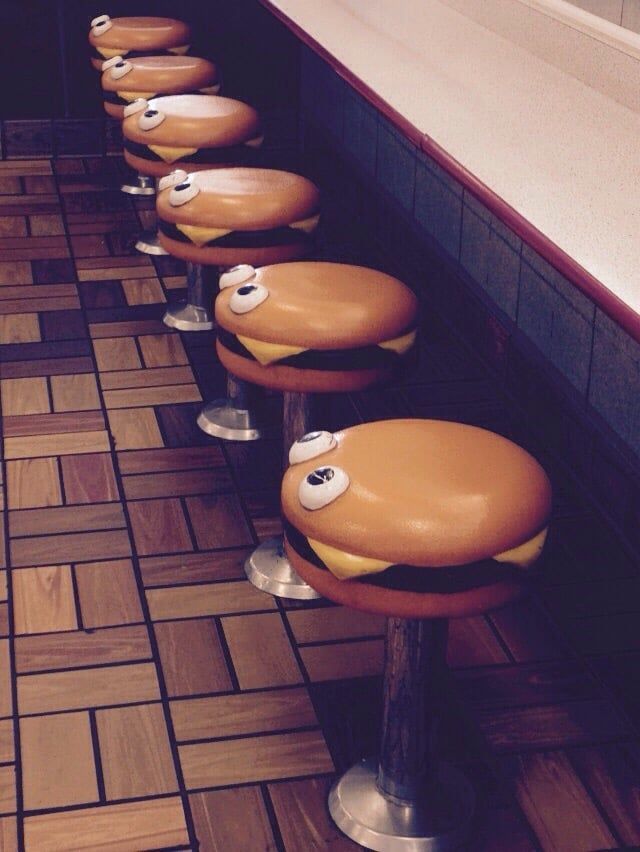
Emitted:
<point x="407" y="801"/>
<point x="267" y="567"/>
<point x="195" y="313"/>
<point x="149" y="242"/>
<point x="231" y="419"/>
<point x="141" y="185"/>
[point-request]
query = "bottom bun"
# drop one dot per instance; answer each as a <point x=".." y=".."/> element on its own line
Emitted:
<point x="358" y="594"/>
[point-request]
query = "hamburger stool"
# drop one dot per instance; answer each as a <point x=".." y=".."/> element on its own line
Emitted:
<point x="422" y="521"/>
<point x="166" y="135"/>
<point x="228" y="217"/>
<point x="310" y="328"/>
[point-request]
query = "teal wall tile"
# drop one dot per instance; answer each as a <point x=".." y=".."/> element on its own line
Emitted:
<point x="396" y="165"/>
<point x="360" y="131"/>
<point x="438" y="207"/>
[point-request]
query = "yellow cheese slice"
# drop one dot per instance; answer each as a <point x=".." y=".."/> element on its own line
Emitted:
<point x="110" y="52"/>
<point x="306" y="225"/>
<point x="181" y="50"/>
<point x="210" y="90"/>
<point x="267" y="353"/>
<point x="132" y="96"/>
<point x="170" y="155"/>
<point x="345" y="565"/>
<point x="525" y="554"/>
<point x="199" y="235"/>
<point x="400" y="344"/>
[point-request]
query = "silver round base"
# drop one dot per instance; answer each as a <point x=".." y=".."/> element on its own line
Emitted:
<point x="440" y="821"/>
<point x="149" y="243"/>
<point x="221" y="420"/>
<point x="186" y="317"/>
<point x="270" y="571"/>
<point x="142" y="186"/>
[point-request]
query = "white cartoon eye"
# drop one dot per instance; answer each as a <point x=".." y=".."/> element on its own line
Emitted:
<point x="247" y="297"/>
<point x="151" y="118"/>
<point x="135" y="106"/>
<point x="236" y="275"/>
<point x="109" y="63"/>
<point x="322" y="486"/>
<point x="120" y="69"/>
<point x="101" y="24"/>
<point x="311" y="445"/>
<point x="183" y="192"/>
<point x="179" y="176"/>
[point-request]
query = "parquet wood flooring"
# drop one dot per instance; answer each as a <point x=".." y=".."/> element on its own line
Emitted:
<point x="151" y="698"/>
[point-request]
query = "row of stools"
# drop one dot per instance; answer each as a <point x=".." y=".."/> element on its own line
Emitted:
<point x="419" y="520"/>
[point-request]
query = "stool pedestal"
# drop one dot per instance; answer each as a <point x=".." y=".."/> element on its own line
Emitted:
<point x="148" y="242"/>
<point x="231" y="419"/>
<point x="140" y="185"/>
<point x="195" y="313"/>
<point x="267" y="568"/>
<point x="407" y="801"/>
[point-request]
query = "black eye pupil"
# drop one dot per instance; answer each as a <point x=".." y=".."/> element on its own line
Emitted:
<point x="150" y="113"/>
<point x="119" y="64"/>
<point x="320" y="476"/>
<point x="310" y="437"/>
<point x="181" y="186"/>
<point x="244" y="291"/>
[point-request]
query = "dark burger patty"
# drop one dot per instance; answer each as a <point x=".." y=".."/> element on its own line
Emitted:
<point x="134" y="54"/>
<point x="409" y="578"/>
<point x="114" y="98"/>
<point x="241" y="239"/>
<point x="362" y="358"/>
<point x="238" y="154"/>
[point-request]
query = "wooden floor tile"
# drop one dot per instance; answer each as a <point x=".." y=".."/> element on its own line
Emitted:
<point x="163" y="350"/>
<point x="33" y="483"/>
<point x="66" y="519"/>
<point x="74" y="547"/>
<point x="178" y="483"/>
<point x="108" y="593"/>
<point x="261" y="651"/>
<point x="43" y="600"/>
<point x="54" y="424"/>
<point x="69" y="443"/>
<point x="13" y="226"/>
<point x="301" y="811"/>
<point x="5" y="679"/>
<point x="147" y="378"/>
<point x="174" y="459"/>
<point x="135" y="737"/>
<point x="226" y="817"/>
<point x="19" y="328"/>
<point x="52" y="367"/>
<point x="319" y="625"/>
<point x="218" y="764"/>
<point x="89" y="478"/>
<point x="143" y="291"/>
<point x="82" y="648"/>
<point x="8" y="834"/>
<point x="170" y="395"/>
<point x="152" y="824"/>
<point x="198" y="642"/>
<point x="112" y="273"/>
<point x="75" y="393"/>
<point x="528" y="632"/>
<point x="135" y="428"/>
<point x="236" y="715"/>
<point x="80" y="688"/>
<point x="159" y="526"/>
<point x="99" y="330"/>
<point x="473" y="643"/>
<point x="193" y="568"/>
<point x="24" y="396"/>
<point x="348" y="660"/>
<point x="58" y="767"/>
<point x="557" y="805"/>
<point x="15" y="272"/>
<point x="3" y="585"/>
<point x="218" y="521"/>
<point x="7" y="749"/>
<point x="117" y="353"/>
<point x="206" y="599"/>
<point x="7" y="790"/>
<point x="46" y="225"/>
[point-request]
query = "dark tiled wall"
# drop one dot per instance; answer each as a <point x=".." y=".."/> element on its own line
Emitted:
<point x="571" y="369"/>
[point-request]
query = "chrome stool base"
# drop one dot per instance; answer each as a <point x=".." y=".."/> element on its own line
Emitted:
<point x="149" y="243"/>
<point x="143" y="185"/>
<point x="186" y="317"/>
<point x="270" y="571"/>
<point x="221" y="420"/>
<point x="438" y="821"/>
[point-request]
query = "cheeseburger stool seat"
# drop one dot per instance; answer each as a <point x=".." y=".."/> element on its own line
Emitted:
<point x="165" y="136"/>
<point x="309" y="328"/>
<point x="421" y="521"/>
<point x="132" y="37"/>
<point x="231" y="217"/>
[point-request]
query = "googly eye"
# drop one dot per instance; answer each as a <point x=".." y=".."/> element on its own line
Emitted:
<point x="120" y="69"/>
<point x="150" y="118"/>
<point x="179" y="176"/>
<point x="136" y="106"/>
<point x="109" y="63"/>
<point x="183" y="192"/>
<point x="322" y="486"/>
<point x="236" y="275"/>
<point x="311" y="445"/>
<point x="101" y="24"/>
<point x="247" y="297"/>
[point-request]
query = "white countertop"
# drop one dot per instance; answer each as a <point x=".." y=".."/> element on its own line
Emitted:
<point x="563" y="155"/>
